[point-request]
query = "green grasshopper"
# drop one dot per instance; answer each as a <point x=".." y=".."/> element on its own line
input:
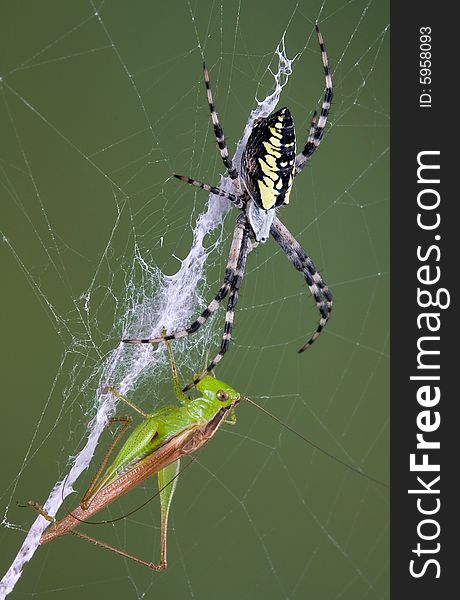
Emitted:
<point x="155" y="446"/>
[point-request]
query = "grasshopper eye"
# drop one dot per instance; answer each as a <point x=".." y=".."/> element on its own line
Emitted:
<point x="222" y="396"/>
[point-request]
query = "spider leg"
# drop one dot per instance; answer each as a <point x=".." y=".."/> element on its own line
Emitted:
<point x="218" y="131"/>
<point x="307" y="262"/>
<point x="316" y="132"/>
<point x="301" y="261"/>
<point x="235" y="200"/>
<point x="309" y="143"/>
<point x="230" y="274"/>
<point x="231" y="304"/>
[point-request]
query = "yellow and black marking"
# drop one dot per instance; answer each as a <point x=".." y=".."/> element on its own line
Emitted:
<point x="269" y="158"/>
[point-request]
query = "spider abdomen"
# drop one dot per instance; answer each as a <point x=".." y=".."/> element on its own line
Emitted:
<point x="268" y="160"/>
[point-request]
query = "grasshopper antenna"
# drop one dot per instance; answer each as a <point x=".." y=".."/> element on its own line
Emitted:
<point x="313" y="445"/>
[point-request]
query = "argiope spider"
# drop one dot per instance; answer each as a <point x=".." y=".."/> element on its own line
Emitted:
<point x="268" y="167"/>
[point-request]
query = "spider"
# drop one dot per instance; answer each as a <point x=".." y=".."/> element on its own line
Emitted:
<point x="269" y="165"/>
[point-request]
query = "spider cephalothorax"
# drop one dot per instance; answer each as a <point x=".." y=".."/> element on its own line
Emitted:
<point x="269" y="165"/>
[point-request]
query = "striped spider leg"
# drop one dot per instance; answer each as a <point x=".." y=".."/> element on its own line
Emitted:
<point x="316" y="132"/>
<point x="261" y="186"/>
<point x="303" y="263"/>
<point x="245" y="249"/>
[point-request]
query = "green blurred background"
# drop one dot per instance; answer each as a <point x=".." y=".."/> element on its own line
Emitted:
<point x="96" y="112"/>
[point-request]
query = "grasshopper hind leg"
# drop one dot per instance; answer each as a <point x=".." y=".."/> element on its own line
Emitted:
<point x="167" y="482"/>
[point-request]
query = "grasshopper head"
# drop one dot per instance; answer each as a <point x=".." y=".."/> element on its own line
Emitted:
<point x="217" y="390"/>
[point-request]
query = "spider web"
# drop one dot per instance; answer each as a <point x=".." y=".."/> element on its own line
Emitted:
<point x="99" y="105"/>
